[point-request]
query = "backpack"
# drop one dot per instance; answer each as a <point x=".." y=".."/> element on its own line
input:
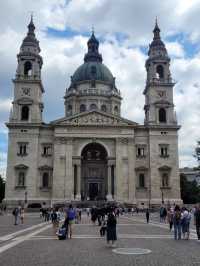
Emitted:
<point x="177" y="216"/>
<point x="14" y="211"/>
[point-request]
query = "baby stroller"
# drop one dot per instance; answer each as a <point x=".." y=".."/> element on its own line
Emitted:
<point x="63" y="230"/>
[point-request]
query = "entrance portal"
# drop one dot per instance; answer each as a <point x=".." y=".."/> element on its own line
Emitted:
<point x="93" y="172"/>
<point x="93" y="191"/>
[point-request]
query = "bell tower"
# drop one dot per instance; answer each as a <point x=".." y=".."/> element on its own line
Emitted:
<point x="159" y="106"/>
<point x="28" y="88"/>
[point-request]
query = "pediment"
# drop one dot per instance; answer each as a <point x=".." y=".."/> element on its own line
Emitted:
<point x="21" y="166"/>
<point x="94" y="118"/>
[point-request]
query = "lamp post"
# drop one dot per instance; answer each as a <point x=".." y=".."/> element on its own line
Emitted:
<point x="162" y="195"/>
<point x="26" y="197"/>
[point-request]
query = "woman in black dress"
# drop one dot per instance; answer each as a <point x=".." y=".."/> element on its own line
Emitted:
<point x="111" y="229"/>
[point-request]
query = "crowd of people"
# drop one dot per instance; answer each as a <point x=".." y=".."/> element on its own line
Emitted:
<point x="62" y="219"/>
<point x="180" y="218"/>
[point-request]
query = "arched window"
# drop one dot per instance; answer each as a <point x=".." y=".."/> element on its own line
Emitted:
<point x="93" y="69"/>
<point x="103" y="108"/>
<point x="21" y="179"/>
<point x="141" y="180"/>
<point x="82" y="108"/>
<point x="165" y="180"/>
<point x="45" y="180"/>
<point x="69" y="109"/>
<point x="116" y="110"/>
<point x="93" y="106"/>
<point x="160" y="71"/>
<point x="27" y="68"/>
<point x="25" y="113"/>
<point x="162" y="115"/>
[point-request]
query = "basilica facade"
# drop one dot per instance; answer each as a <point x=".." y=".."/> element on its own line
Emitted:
<point x="92" y="153"/>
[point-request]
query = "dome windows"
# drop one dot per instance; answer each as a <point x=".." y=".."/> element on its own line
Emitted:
<point x="103" y="108"/>
<point x="82" y="108"/>
<point x="93" y="106"/>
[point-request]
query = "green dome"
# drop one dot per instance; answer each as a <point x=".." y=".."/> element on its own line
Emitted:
<point x="93" y="71"/>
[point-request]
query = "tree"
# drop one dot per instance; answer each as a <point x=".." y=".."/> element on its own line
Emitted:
<point x="2" y="188"/>
<point x="190" y="191"/>
<point x="197" y="153"/>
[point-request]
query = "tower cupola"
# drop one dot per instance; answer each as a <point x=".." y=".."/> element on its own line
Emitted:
<point x="93" y="54"/>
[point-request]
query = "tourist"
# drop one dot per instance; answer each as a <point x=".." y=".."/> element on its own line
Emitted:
<point x="147" y="215"/>
<point x="88" y="211"/>
<point x="170" y="217"/>
<point x="177" y="222"/>
<point x="54" y="220"/>
<point x="197" y="221"/>
<point x="103" y="228"/>
<point x="22" y="215"/>
<point x="71" y="214"/>
<point x="16" y="213"/>
<point x="111" y="229"/>
<point x="185" y="223"/>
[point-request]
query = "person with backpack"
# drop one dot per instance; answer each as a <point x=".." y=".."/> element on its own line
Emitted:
<point x="71" y="214"/>
<point x="16" y="213"/>
<point x="177" y="222"/>
<point x="185" y="222"/>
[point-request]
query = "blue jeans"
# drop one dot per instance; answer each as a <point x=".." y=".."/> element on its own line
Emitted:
<point x="177" y="230"/>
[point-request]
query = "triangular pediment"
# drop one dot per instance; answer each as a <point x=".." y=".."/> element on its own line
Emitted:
<point x="94" y="118"/>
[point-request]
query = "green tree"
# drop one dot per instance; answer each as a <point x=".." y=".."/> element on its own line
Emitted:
<point x="2" y="188"/>
<point x="197" y="153"/>
<point x="190" y="191"/>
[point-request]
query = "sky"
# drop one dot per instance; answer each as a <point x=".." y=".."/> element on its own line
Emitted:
<point x="124" y="28"/>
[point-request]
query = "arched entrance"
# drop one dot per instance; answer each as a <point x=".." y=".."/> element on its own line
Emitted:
<point x="93" y="172"/>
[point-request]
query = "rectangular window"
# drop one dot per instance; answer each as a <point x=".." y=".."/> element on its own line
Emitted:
<point x="21" y="179"/>
<point x="164" y="151"/>
<point x="141" y="180"/>
<point x="140" y="151"/>
<point x="22" y="149"/>
<point x="46" y="150"/>
<point x="165" y="180"/>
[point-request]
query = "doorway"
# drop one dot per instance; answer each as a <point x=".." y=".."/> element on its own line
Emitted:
<point x="93" y="172"/>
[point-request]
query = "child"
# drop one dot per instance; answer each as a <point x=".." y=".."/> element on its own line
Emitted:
<point x="63" y="231"/>
<point x="103" y="228"/>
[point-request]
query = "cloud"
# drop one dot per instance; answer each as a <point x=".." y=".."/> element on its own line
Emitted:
<point x="5" y="105"/>
<point x="124" y="35"/>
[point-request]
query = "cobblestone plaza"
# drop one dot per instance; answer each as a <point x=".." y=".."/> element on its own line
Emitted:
<point x="35" y="244"/>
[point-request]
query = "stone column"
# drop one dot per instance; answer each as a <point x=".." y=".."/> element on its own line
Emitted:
<point x="78" y="186"/>
<point x="114" y="180"/>
<point x="109" y="194"/>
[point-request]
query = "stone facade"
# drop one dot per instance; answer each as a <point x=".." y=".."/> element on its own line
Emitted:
<point x="92" y="153"/>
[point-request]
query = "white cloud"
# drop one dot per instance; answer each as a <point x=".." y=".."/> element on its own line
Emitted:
<point x="5" y="105"/>
<point x="124" y="58"/>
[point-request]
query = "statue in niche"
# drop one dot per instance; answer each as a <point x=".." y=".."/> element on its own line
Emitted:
<point x="89" y="155"/>
<point x="97" y="155"/>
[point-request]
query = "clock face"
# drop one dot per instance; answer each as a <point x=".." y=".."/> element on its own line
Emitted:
<point x="26" y="91"/>
<point x="161" y="94"/>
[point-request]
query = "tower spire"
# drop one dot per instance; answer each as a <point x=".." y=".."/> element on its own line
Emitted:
<point x="156" y="30"/>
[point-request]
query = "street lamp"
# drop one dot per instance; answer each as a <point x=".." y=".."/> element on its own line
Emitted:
<point x="162" y="194"/>
<point x="26" y="197"/>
